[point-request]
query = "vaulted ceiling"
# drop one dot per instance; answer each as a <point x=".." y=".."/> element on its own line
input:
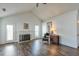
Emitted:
<point x="50" y="10"/>
<point x="14" y="8"/>
<point x="43" y="11"/>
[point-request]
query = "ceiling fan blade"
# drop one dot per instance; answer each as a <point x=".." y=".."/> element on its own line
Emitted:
<point x="44" y="3"/>
<point x="37" y="4"/>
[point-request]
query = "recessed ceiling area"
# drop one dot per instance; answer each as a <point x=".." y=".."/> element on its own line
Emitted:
<point x="44" y="11"/>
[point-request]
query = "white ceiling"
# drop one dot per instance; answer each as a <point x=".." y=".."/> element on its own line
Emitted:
<point x="44" y="11"/>
<point x="13" y="8"/>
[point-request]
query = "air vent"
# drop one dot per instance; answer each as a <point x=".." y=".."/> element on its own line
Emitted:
<point x="3" y="9"/>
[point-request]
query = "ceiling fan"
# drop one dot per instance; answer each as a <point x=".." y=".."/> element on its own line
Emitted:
<point x="37" y="4"/>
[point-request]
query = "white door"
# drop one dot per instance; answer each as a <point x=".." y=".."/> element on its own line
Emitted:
<point x="9" y="33"/>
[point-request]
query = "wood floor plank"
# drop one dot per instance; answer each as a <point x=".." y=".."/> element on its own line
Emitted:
<point x="37" y="48"/>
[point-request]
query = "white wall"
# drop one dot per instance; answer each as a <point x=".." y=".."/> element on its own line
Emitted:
<point x="0" y="30"/>
<point x="78" y="28"/>
<point x="18" y="21"/>
<point x="67" y="28"/>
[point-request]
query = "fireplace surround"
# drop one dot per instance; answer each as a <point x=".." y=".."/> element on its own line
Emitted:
<point x="24" y="37"/>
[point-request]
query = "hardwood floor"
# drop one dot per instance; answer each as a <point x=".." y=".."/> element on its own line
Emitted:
<point x="37" y="48"/>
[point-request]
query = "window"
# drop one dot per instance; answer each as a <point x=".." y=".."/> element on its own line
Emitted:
<point x="36" y="31"/>
<point x="9" y="32"/>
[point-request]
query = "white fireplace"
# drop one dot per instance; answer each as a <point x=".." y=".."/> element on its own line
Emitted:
<point x="22" y="34"/>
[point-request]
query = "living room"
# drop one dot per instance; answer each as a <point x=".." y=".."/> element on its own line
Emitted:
<point x="23" y="26"/>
